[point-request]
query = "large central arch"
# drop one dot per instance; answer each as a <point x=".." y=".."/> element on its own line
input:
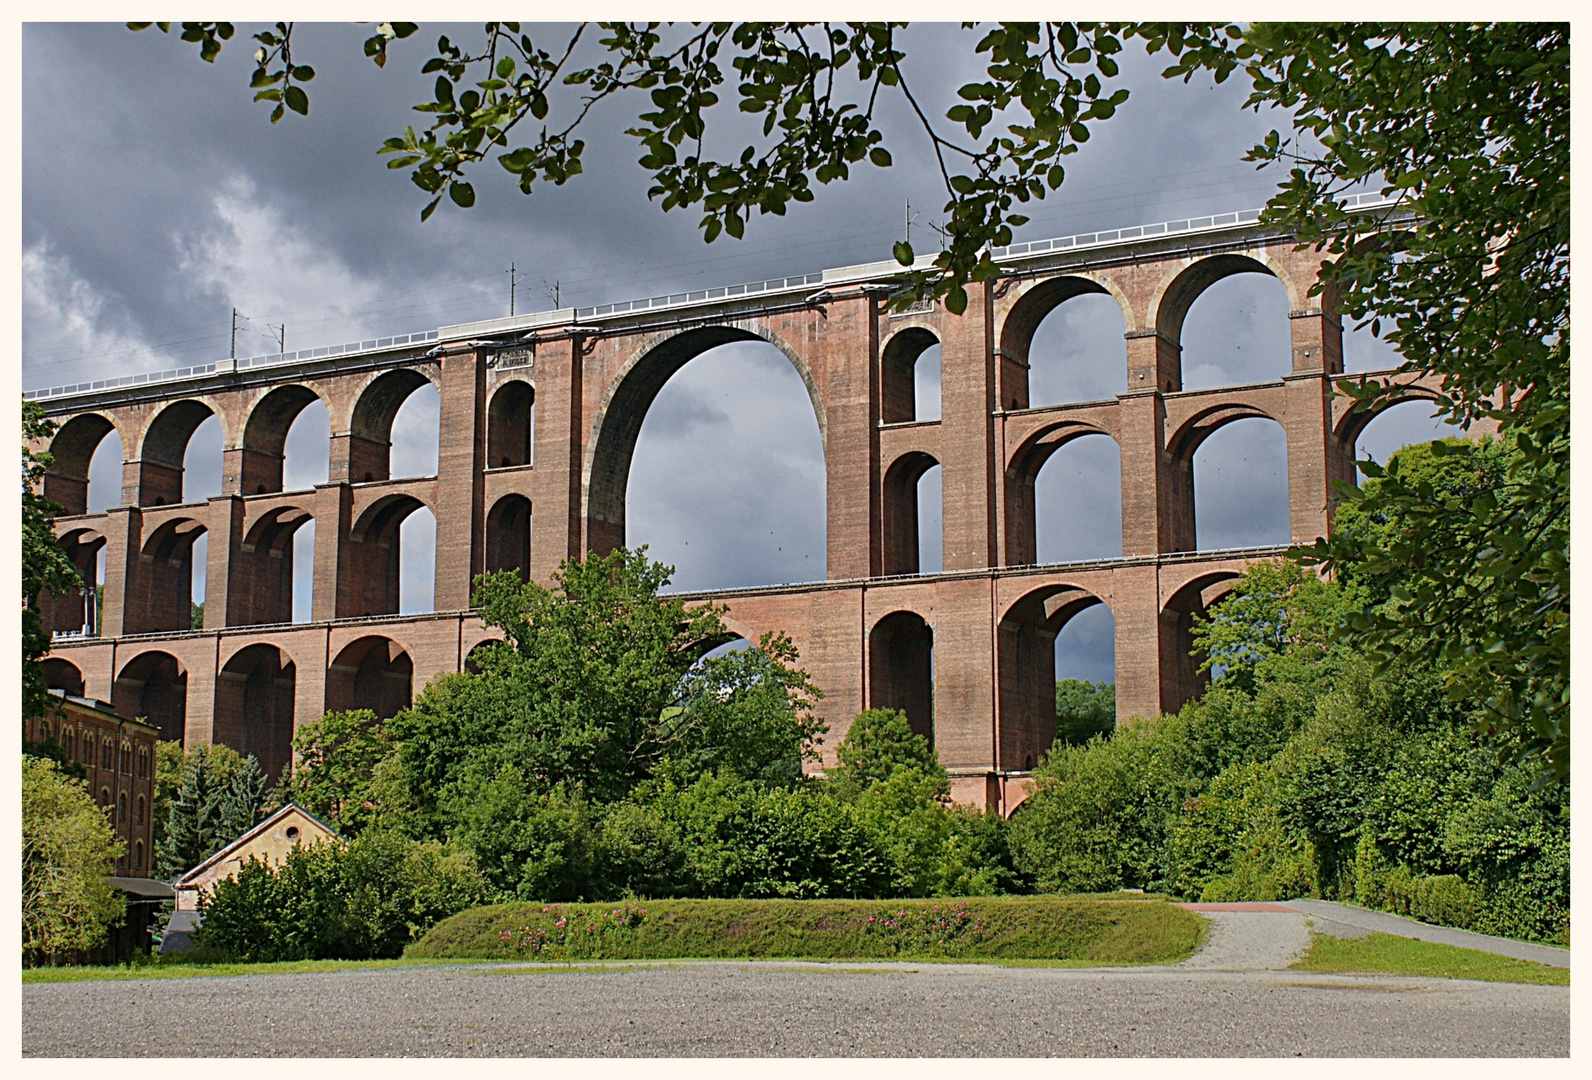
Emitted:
<point x="606" y="472"/>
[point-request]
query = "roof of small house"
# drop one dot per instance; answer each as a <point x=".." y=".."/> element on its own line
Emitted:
<point x="186" y="879"/>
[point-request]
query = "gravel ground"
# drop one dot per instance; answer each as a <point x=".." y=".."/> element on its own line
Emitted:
<point x="1251" y="941"/>
<point x="794" y="1010"/>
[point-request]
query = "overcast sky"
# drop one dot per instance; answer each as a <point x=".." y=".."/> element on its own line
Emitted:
<point x="158" y="203"/>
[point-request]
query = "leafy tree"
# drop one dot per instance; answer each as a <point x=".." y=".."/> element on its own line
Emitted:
<point x="45" y="566"/>
<point x="218" y="798"/>
<point x="879" y="743"/>
<point x="1471" y="124"/>
<point x="1279" y="608"/>
<point x="530" y="843"/>
<point x="335" y="774"/>
<point x="596" y="686"/>
<point x="68" y="848"/>
<point x="1084" y="710"/>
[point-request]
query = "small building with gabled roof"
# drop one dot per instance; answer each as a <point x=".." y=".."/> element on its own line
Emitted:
<point x="270" y="841"/>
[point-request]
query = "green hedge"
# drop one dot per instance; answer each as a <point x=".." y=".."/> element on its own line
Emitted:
<point x="1102" y="931"/>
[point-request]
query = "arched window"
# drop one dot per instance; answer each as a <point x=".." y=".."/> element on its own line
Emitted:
<point x="107" y="753"/>
<point x="121" y="809"/>
<point x="105" y="796"/>
<point x="140" y="819"/>
<point x="69" y="743"/>
<point x="143" y="764"/>
<point x="127" y="759"/>
<point x="44" y="730"/>
<point x="138" y="855"/>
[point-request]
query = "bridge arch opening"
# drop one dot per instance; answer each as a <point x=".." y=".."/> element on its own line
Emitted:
<point x="393" y="546"/>
<point x="154" y="685"/>
<point x="278" y="569"/>
<point x="475" y="659"/>
<point x="1181" y="679"/>
<point x="86" y="475"/>
<point x="709" y="450"/>
<point x="1050" y="635"/>
<point x="1078" y="501"/>
<point x="1063" y="342"/>
<point x="393" y="431"/>
<point x="374" y="673"/>
<point x="286" y="442"/>
<point x="164" y="478"/>
<point x="909" y="377"/>
<point x="78" y="612"/>
<point x="1240" y="478"/>
<point x="508" y="536"/>
<point x="62" y="675"/>
<point x="901" y="669"/>
<point x="1228" y="315"/>
<point x="255" y="693"/>
<point x="170" y="589"/>
<point x="1399" y="425"/>
<point x="511" y="426"/>
<point x="913" y="516"/>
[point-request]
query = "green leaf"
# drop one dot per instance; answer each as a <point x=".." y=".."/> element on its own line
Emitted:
<point x="297" y="100"/>
<point x="903" y="253"/>
<point x="462" y="194"/>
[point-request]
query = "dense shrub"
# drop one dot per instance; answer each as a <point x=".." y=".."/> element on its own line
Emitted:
<point x="363" y="900"/>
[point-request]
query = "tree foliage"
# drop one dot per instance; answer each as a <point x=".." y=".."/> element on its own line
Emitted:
<point x="1471" y="125"/>
<point x="1084" y="710"/>
<point x="68" y="848"/>
<point x="218" y="797"/>
<point x="45" y="566"/>
<point x="334" y="775"/>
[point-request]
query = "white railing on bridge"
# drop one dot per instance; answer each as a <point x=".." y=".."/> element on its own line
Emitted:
<point x="1361" y="201"/>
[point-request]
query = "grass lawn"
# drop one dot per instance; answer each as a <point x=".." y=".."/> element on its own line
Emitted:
<point x="158" y="969"/>
<point x="1070" y="931"/>
<point x="1085" y="930"/>
<point x="1387" y="954"/>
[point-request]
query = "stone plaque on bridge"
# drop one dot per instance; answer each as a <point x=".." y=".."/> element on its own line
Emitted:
<point x="516" y="358"/>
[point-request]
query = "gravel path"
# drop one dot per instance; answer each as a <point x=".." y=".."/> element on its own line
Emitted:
<point x="793" y="1009"/>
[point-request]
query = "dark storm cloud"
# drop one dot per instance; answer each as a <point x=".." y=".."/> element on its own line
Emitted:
<point x="156" y="204"/>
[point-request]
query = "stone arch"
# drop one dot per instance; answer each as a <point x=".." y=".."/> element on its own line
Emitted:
<point x="472" y="658"/>
<point x="1239" y="485"/>
<point x="1022" y="470"/>
<point x="163" y="446"/>
<point x="374" y="673"/>
<point x="255" y="692"/>
<point x="1181" y="679"/>
<point x="1026" y="659"/>
<point x="1352" y="424"/>
<point x="901" y="669"/>
<point x="265" y="435"/>
<point x="376" y="556"/>
<point x="66" y="481"/>
<point x="508" y="535"/>
<point x="629" y="394"/>
<point x="897" y="373"/>
<point x="262" y="583"/>
<point x="901" y="540"/>
<point x="1203" y="424"/>
<point x="1037" y="302"/>
<point x="154" y="685"/>
<point x="163" y="591"/>
<point x="62" y="675"/>
<point x="77" y="611"/>
<point x="511" y="425"/>
<point x="370" y="421"/>
<point x="1171" y="303"/>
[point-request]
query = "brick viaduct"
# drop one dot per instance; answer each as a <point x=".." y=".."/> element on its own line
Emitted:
<point x="985" y="696"/>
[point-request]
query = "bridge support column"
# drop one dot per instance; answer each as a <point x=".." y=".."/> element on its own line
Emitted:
<point x="968" y="462"/>
<point x="123" y="538"/>
<point x="335" y="593"/>
<point x="1311" y="449"/>
<point x="461" y="485"/>
<point x="1157" y="488"/>
<point x="227" y="583"/>
<point x="560" y="457"/>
